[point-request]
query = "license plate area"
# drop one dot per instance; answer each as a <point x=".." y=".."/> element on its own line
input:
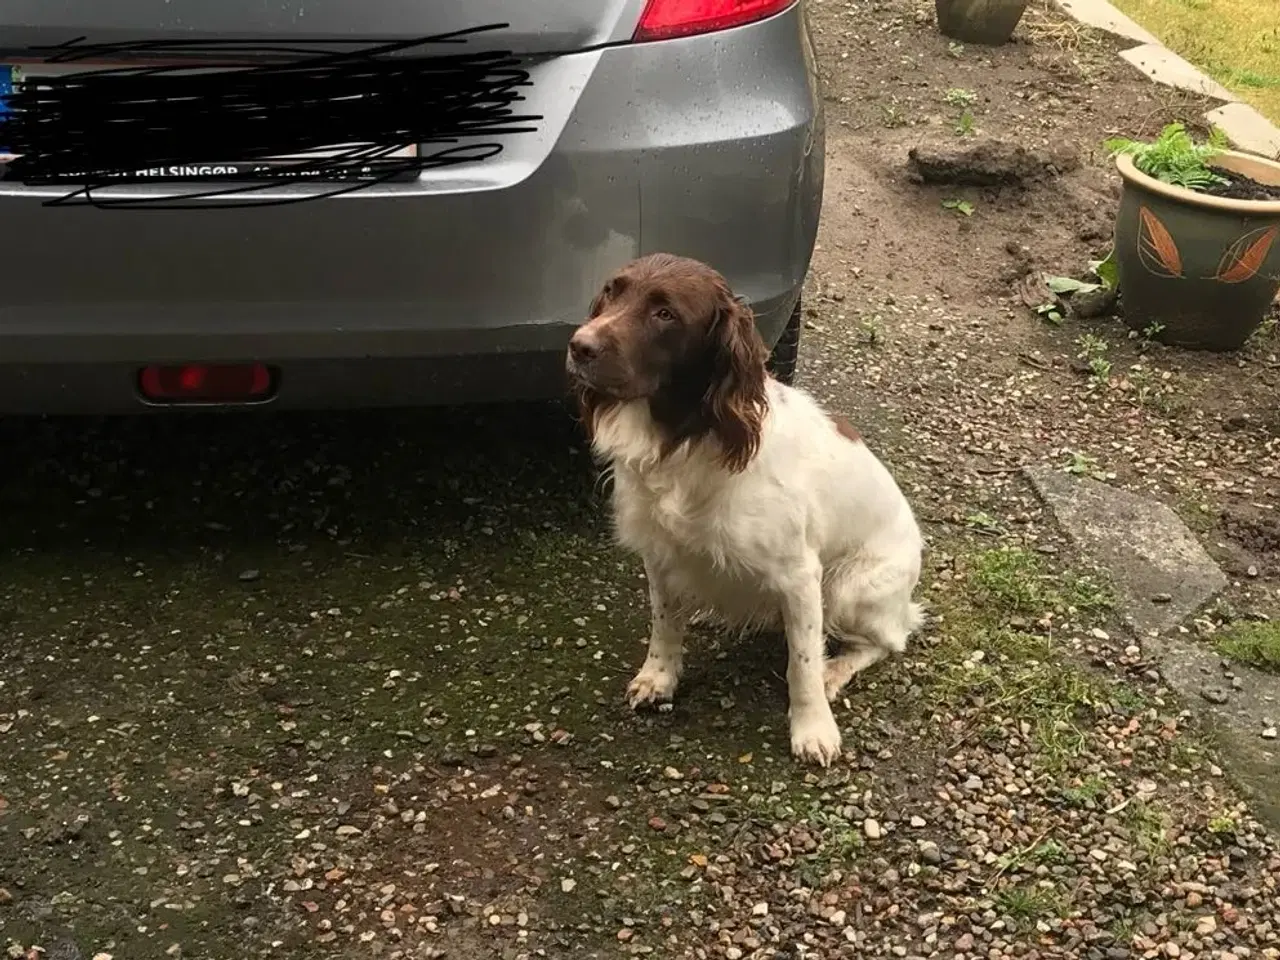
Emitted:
<point x="360" y="161"/>
<point x="316" y="166"/>
<point x="9" y="78"/>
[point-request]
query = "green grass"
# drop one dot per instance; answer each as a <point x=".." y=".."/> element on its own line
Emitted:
<point x="1017" y="581"/>
<point x="1021" y="675"/>
<point x="1224" y="825"/>
<point x="996" y="665"/>
<point x="1149" y="826"/>
<point x="1090" y="790"/>
<point x="1027" y="904"/>
<point x="1257" y="644"/>
<point x="1237" y="42"/>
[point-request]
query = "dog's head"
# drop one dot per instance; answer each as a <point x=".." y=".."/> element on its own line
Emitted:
<point x="668" y="330"/>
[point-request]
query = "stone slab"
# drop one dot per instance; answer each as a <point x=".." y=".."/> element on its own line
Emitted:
<point x="1160" y="572"/>
<point x="1241" y="707"/>
<point x="1103" y="16"/>
<point x="1165" y="66"/>
<point x="1247" y="129"/>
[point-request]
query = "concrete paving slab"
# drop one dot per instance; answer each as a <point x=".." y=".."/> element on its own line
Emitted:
<point x="1247" y="129"/>
<point x="1162" y="577"/>
<point x="1103" y="16"/>
<point x="1160" y="572"/>
<point x="1241" y="706"/>
<point x="1165" y="66"/>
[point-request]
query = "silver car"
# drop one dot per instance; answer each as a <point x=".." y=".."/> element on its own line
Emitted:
<point x="687" y="126"/>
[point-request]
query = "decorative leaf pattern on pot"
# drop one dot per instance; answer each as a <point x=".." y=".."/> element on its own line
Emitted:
<point x="1245" y="257"/>
<point x="1156" y="248"/>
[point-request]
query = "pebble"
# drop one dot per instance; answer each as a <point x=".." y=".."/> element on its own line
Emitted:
<point x="567" y="885"/>
<point x="872" y="829"/>
<point x="760" y="910"/>
<point x="1269" y="733"/>
<point x="347" y="830"/>
<point x="919" y="822"/>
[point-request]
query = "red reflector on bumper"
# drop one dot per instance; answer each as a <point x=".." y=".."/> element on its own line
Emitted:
<point x="207" y="383"/>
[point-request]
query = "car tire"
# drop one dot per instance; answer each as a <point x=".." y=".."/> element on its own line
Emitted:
<point x="786" y="352"/>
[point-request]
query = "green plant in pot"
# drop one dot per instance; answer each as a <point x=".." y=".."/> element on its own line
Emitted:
<point x="989" y="22"/>
<point x="1197" y="238"/>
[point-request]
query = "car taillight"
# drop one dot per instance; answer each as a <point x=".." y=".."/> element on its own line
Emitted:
<point x="207" y="383"/>
<point x="664" y="19"/>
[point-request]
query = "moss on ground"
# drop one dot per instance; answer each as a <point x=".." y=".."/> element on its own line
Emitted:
<point x="1254" y="643"/>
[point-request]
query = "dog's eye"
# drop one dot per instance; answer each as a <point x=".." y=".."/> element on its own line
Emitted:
<point x="663" y="315"/>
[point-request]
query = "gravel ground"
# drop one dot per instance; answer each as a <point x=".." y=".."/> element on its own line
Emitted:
<point x="351" y="686"/>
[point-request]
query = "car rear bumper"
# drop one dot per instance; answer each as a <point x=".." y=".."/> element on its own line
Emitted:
<point x="710" y="147"/>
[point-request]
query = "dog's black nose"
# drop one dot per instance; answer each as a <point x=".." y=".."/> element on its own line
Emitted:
<point x="583" y="347"/>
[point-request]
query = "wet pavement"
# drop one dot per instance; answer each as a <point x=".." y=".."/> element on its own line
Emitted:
<point x="216" y="626"/>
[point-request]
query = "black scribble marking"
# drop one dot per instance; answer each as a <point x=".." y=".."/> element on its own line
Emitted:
<point x="189" y="107"/>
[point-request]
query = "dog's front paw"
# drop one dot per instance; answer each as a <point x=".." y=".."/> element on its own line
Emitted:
<point x="651" y="685"/>
<point x="815" y="738"/>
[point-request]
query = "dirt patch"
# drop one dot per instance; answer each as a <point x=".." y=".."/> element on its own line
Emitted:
<point x="1256" y="529"/>
<point x="433" y="859"/>
<point x="987" y="163"/>
<point x="1014" y="132"/>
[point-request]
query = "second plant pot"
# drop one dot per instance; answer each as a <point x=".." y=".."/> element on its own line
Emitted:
<point x="1196" y="270"/>
<point x="988" y="22"/>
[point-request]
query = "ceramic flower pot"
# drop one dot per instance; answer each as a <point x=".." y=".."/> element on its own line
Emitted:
<point x="1196" y="270"/>
<point x="989" y="22"/>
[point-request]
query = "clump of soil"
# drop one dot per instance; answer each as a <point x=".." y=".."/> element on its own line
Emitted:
<point x="1240" y="187"/>
<point x="987" y="163"/>
<point x="1257" y="530"/>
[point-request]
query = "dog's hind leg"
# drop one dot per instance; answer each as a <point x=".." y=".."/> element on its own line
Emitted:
<point x="854" y="656"/>
<point x="871" y="618"/>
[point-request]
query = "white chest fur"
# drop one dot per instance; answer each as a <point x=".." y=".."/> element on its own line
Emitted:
<point x="680" y="524"/>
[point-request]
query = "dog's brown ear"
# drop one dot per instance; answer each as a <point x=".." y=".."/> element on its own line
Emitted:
<point x="735" y="402"/>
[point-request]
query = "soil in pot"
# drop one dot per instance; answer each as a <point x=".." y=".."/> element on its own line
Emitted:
<point x="989" y="22"/>
<point x="1241" y="187"/>
<point x="1199" y="269"/>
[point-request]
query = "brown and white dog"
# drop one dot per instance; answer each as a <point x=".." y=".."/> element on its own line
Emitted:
<point x="742" y="496"/>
